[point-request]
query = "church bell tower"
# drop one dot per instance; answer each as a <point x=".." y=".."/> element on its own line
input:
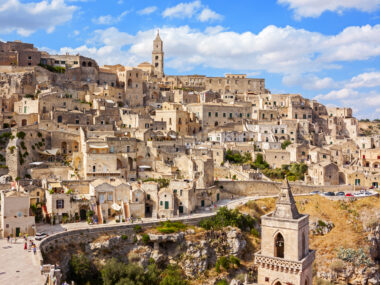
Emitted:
<point x="285" y="257"/>
<point x="158" y="56"/>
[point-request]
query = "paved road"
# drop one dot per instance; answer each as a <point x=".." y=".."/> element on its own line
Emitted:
<point x="18" y="266"/>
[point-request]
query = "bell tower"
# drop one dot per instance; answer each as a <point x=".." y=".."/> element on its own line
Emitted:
<point x="285" y="257"/>
<point x="158" y="56"/>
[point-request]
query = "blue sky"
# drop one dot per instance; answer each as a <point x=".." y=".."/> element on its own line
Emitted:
<point x="323" y="49"/>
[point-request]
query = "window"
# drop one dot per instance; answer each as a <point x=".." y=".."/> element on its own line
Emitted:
<point x="230" y="115"/>
<point x="224" y="115"/>
<point x="180" y="192"/>
<point x="29" y="57"/>
<point x="240" y="115"/>
<point x="209" y="114"/>
<point x="216" y="114"/>
<point x="110" y="197"/>
<point x="279" y="246"/>
<point x="303" y="153"/>
<point x="175" y="191"/>
<point x="324" y="156"/>
<point x="148" y="197"/>
<point x="60" y="204"/>
<point x="161" y="203"/>
<point x="128" y="148"/>
<point x="93" y="168"/>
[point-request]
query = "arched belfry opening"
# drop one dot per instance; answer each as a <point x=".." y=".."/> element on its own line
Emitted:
<point x="278" y="283"/>
<point x="279" y="246"/>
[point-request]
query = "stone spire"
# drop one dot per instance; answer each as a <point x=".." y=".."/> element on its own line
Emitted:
<point x="286" y="205"/>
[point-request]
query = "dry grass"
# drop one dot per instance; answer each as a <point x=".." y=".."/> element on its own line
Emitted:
<point x="347" y="218"/>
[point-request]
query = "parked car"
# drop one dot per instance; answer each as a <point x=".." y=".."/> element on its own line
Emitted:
<point x="315" y="192"/>
<point x="329" y="194"/>
<point x="340" y="194"/>
<point x="40" y="236"/>
<point x="363" y="194"/>
<point x="349" y="195"/>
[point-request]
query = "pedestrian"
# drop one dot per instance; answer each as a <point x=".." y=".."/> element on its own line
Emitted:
<point x="34" y="249"/>
<point x="8" y="238"/>
<point x="25" y="246"/>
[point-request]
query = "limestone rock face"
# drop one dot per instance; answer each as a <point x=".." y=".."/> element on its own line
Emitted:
<point x="321" y="227"/>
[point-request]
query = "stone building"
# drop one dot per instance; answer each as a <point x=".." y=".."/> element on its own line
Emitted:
<point x="285" y="257"/>
<point x="16" y="219"/>
<point x="158" y="56"/>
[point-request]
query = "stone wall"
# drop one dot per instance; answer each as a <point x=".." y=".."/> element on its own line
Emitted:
<point x="266" y="188"/>
<point x="90" y="234"/>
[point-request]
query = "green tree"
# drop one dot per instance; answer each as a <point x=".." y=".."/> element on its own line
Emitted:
<point x="172" y="275"/>
<point x="82" y="271"/>
<point x="285" y="144"/>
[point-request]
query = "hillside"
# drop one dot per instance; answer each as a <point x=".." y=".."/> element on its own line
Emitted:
<point x="356" y="226"/>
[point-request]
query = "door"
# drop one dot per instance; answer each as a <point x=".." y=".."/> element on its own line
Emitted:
<point x="166" y="205"/>
<point x="202" y="203"/>
<point x="180" y="208"/>
<point x="217" y="197"/>
<point x="17" y="232"/>
<point x="83" y="214"/>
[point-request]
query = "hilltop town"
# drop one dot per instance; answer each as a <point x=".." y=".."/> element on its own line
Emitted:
<point x="113" y="145"/>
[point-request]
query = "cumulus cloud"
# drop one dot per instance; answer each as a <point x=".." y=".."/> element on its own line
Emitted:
<point x="360" y="92"/>
<point x="190" y="10"/>
<point x="314" y="8"/>
<point x="147" y="11"/>
<point x="209" y="15"/>
<point x="26" y="18"/>
<point x="368" y="79"/>
<point x="108" y="19"/>
<point x="284" y="50"/>
<point x="308" y="81"/>
<point x="182" y="10"/>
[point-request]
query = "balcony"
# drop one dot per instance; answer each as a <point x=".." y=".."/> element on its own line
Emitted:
<point x="282" y="264"/>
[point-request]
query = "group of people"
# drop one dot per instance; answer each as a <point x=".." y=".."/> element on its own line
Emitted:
<point x="32" y="245"/>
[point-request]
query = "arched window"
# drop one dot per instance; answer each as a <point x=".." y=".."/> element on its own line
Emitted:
<point x="84" y="64"/>
<point x="89" y="64"/>
<point x="278" y="283"/>
<point x="279" y="246"/>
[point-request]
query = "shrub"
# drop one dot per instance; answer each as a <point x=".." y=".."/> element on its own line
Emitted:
<point x="173" y="275"/>
<point x="285" y="144"/>
<point x="124" y="237"/>
<point x="20" y="135"/>
<point x="145" y="238"/>
<point x="357" y="257"/>
<point x="337" y="266"/>
<point x="162" y="182"/>
<point x="169" y="227"/>
<point x="222" y="261"/>
<point x="138" y="229"/>
<point x="81" y="270"/>
<point x="236" y="157"/>
<point x="255" y="232"/>
<point x="226" y="217"/>
<point x="234" y="260"/>
<point x="222" y="282"/>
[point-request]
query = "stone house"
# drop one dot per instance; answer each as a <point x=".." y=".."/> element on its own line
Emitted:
<point x="324" y="173"/>
<point x="16" y="218"/>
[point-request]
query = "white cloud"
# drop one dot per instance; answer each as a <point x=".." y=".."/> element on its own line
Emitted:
<point x="314" y="8"/>
<point x="284" y="50"/>
<point x="148" y="10"/>
<point x="338" y="94"/>
<point x="308" y="81"/>
<point x="369" y="79"/>
<point x="190" y="10"/>
<point x="182" y="10"/>
<point x="108" y="19"/>
<point x="209" y="15"/>
<point x="26" y="18"/>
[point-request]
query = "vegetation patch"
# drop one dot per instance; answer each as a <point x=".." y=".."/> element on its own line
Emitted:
<point x="226" y="217"/>
<point x="169" y="227"/>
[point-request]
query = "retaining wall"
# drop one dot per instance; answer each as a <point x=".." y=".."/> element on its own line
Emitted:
<point x="265" y="188"/>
